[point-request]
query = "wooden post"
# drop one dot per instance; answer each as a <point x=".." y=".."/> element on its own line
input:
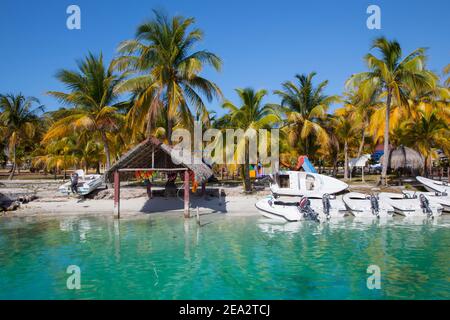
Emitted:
<point x="116" y="194"/>
<point x="203" y="189"/>
<point x="149" y="189"/>
<point x="186" y="194"/>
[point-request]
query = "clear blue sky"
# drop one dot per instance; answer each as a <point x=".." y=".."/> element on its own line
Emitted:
<point x="262" y="43"/>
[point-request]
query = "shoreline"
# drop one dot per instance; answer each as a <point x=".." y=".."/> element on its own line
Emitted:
<point x="48" y="202"/>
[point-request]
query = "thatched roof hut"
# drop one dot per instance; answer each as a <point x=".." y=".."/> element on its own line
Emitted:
<point x="404" y="158"/>
<point x="152" y="153"/>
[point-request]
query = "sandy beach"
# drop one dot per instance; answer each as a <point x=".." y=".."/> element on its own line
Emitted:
<point x="47" y="201"/>
<point x="134" y="201"/>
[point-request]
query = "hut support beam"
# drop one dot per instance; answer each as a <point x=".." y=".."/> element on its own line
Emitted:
<point x="116" y="194"/>
<point x="186" y="194"/>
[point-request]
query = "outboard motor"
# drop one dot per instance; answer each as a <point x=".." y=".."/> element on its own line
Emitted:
<point x="304" y="206"/>
<point x="374" y="205"/>
<point x="425" y="205"/>
<point x="326" y="204"/>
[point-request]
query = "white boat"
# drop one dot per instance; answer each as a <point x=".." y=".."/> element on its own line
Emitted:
<point x="411" y="206"/>
<point x="312" y="209"/>
<point x="434" y="185"/>
<point x="86" y="183"/>
<point x="362" y="205"/>
<point x="299" y="183"/>
<point x="283" y="211"/>
<point x="436" y="197"/>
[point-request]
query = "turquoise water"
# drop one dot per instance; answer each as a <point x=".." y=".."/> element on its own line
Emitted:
<point x="163" y="257"/>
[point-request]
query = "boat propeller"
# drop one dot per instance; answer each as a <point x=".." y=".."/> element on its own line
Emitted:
<point x="425" y="205"/>
<point x="304" y="206"/>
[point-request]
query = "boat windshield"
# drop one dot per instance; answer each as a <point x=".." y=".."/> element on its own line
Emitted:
<point x="309" y="181"/>
<point x="283" y="181"/>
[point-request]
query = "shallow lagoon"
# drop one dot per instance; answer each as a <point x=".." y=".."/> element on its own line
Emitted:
<point x="165" y="257"/>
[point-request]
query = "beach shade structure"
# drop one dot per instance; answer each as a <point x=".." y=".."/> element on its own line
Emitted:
<point x="152" y="155"/>
<point x="404" y="159"/>
<point x="360" y="162"/>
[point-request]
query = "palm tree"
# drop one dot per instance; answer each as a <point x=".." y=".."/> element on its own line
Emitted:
<point x="345" y="131"/>
<point x="427" y="133"/>
<point x="306" y="107"/>
<point x="59" y="154"/>
<point x="447" y="72"/>
<point x="359" y="104"/>
<point x="252" y="114"/>
<point x="167" y="72"/>
<point x="92" y="94"/>
<point x="19" y="120"/>
<point x="394" y="77"/>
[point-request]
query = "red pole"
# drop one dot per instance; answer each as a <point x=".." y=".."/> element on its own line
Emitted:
<point x="116" y="194"/>
<point x="186" y="194"/>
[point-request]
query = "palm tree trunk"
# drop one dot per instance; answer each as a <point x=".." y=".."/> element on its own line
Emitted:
<point x="345" y="160"/>
<point x="363" y="138"/>
<point x="425" y="166"/>
<point x="169" y="130"/>
<point x="11" y="175"/>
<point x="106" y="149"/>
<point x="247" y="182"/>
<point x="386" y="139"/>
<point x="149" y="126"/>
<point x="335" y="161"/>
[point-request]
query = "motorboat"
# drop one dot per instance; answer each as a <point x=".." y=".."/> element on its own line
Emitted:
<point x="434" y="185"/>
<point x="86" y="183"/>
<point x="304" y="184"/>
<point x="411" y="205"/>
<point x="436" y="197"/>
<point x="305" y="209"/>
<point x="362" y="205"/>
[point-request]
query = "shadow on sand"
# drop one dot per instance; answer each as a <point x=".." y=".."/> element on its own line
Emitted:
<point x="208" y="203"/>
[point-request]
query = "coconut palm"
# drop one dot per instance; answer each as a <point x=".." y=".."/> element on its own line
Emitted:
<point x="59" y="154"/>
<point x="19" y="120"/>
<point x="251" y="114"/>
<point x="447" y="72"/>
<point x="167" y="72"/>
<point x="395" y="77"/>
<point x="428" y="133"/>
<point x="306" y="107"/>
<point x="345" y="131"/>
<point x="92" y="96"/>
<point x="359" y="104"/>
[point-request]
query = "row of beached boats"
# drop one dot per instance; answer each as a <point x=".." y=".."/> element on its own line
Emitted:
<point x="303" y="195"/>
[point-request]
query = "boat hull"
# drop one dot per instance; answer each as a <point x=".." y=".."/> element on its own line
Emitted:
<point x="434" y="185"/>
<point x="306" y="184"/>
<point x="409" y="207"/>
<point x="358" y="204"/>
<point x="86" y="186"/>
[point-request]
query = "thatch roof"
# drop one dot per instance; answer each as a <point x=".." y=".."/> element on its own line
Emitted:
<point x="404" y="158"/>
<point x="141" y="157"/>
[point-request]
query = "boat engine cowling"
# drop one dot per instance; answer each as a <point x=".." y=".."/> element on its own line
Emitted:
<point x="326" y="204"/>
<point x="304" y="206"/>
<point x="425" y="205"/>
<point x="374" y="205"/>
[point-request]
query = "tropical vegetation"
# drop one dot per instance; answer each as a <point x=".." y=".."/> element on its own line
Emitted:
<point x="156" y="84"/>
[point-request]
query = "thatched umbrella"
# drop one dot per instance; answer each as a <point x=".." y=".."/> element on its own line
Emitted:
<point x="404" y="158"/>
